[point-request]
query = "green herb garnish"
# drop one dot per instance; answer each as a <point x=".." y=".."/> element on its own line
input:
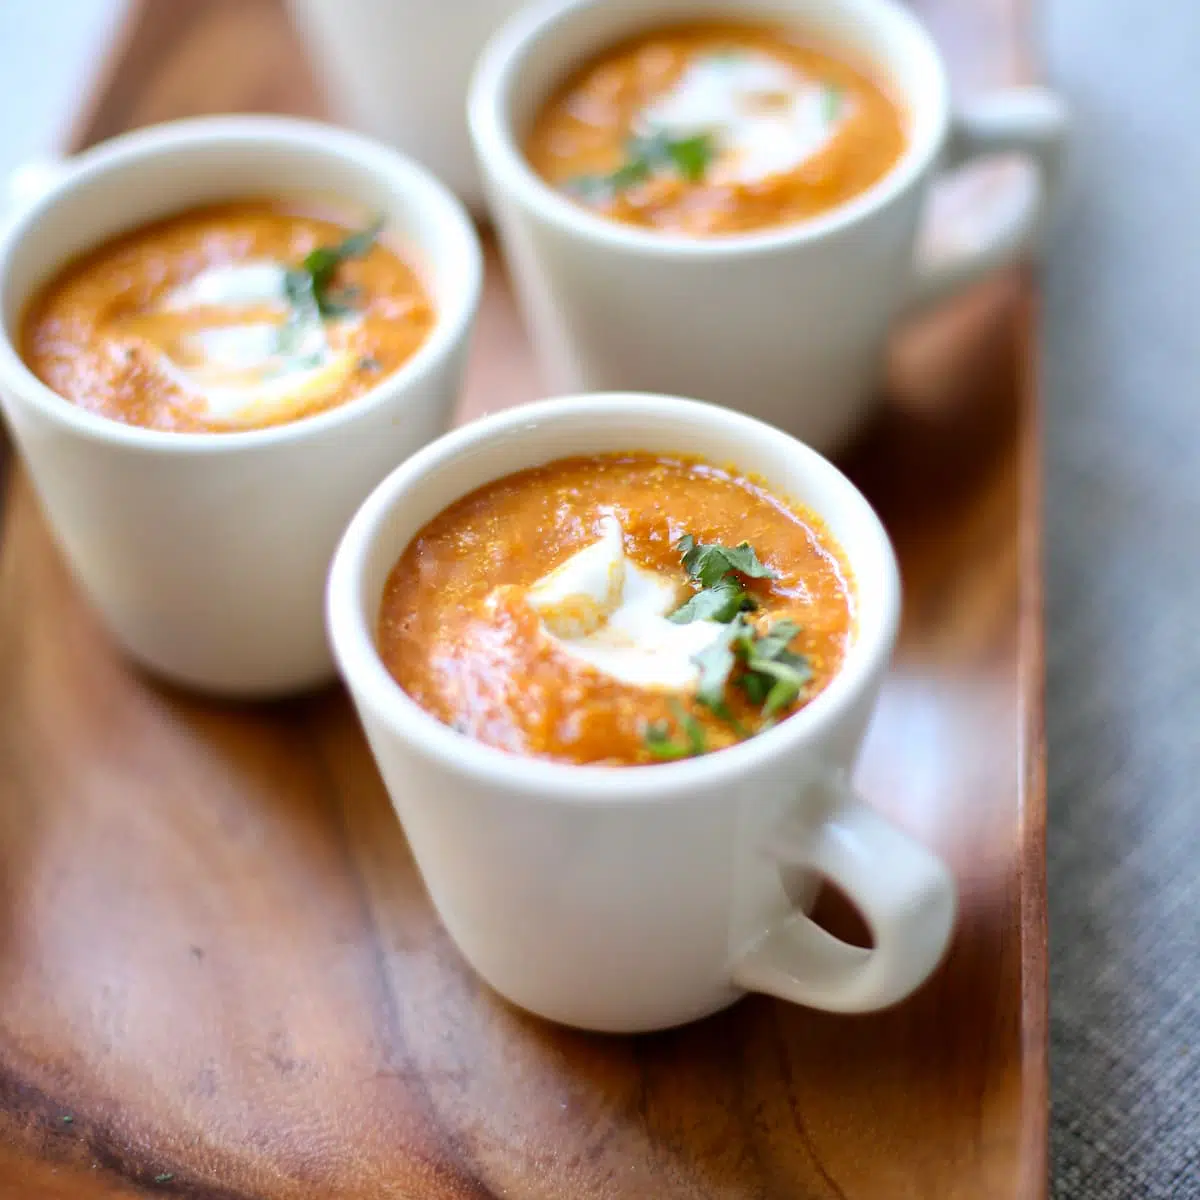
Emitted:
<point x="711" y="563"/>
<point x="315" y="274"/>
<point x="662" y="745"/>
<point x="308" y="287"/>
<point x="716" y="662"/>
<point x="774" y="643"/>
<point x="165" y="1177"/>
<point x="831" y="102"/>
<point x="600" y="189"/>
<point x="774" y="676"/>
<point x="716" y="569"/>
<point x="644" y="157"/>
<point x="771" y="675"/>
<point x="721" y="602"/>
<point x="690" y="156"/>
<point x="630" y="174"/>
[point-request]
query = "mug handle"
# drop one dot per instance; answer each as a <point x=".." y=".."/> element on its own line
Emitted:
<point x="1028" y="121"/>
<point x="906" y="894"/>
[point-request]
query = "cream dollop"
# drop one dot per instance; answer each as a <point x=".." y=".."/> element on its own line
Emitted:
<point x="766" y="116"/>
<point x="602" y="609"/>
<point x="221" y="340"/>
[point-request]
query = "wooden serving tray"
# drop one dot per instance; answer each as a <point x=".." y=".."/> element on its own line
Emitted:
<point x="220" y="976"/>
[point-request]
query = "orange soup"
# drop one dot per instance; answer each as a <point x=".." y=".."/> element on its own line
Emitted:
<point x="229" y="317"/>
<point x="618" y="609"/>
<point x="712" y="129"/>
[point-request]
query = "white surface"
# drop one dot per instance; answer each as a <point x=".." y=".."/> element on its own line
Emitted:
<point x="206" y="554"/>
<point x="788" y="324"/>
<point x="49" y="56"/>
<point x="623" y="899"/>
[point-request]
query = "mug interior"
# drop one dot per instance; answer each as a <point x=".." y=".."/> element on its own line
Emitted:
<point x="539" y="49"/>
<point x="142" y="177"/>
<point x="540" y="433"/>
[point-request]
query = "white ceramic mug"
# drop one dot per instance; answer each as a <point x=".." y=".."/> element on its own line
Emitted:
<point x="206" y="553"/>
<point x="788" y="324"/>
<point x="398" y="70"/>
<point x="635" y="898"/>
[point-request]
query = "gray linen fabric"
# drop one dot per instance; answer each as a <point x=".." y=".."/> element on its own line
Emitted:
<point x="1122" y="390"/>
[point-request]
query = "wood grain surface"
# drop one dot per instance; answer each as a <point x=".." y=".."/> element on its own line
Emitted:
<point x="220" y="976"/>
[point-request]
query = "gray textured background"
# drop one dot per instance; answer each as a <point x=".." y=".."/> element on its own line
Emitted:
<point x="1123" y="513"/>
<point x="1122" y="389"/>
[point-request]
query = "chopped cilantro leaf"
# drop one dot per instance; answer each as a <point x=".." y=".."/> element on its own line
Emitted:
<point x="691" y="156"/>
<point x="756" y="687"/>
<point x="307" y="287"/>
<point x="663" y="746"/>
<point x="774" y="675"/>
<point x="629" y="175"/>
<point x="721" y="602"/>
<point x="716" y="662"/>
<point x="771" y="675"/>
<point x="716" y="569"/>
<point x="776" y="641"/>
<point x="693" y="730"/>
<point x="321" y="264"/>
<point x="788" y="682"/>
<point x="644" y="155"/>
<point x="709" y="563"/>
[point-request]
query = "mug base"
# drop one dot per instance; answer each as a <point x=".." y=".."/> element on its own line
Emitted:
<point x="650" y="1019"/>
<point x="258" y="688"/>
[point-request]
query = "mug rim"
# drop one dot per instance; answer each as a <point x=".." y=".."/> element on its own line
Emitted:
<point x="126" y="153"/>
<point x="500" y="155"/>
<point x="352" y="636"/>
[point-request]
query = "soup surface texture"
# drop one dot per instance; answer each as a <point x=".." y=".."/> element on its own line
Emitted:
<point x="716" y="129"/>
<point x="229" y="317"/>
<point x="618" y="609"/>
